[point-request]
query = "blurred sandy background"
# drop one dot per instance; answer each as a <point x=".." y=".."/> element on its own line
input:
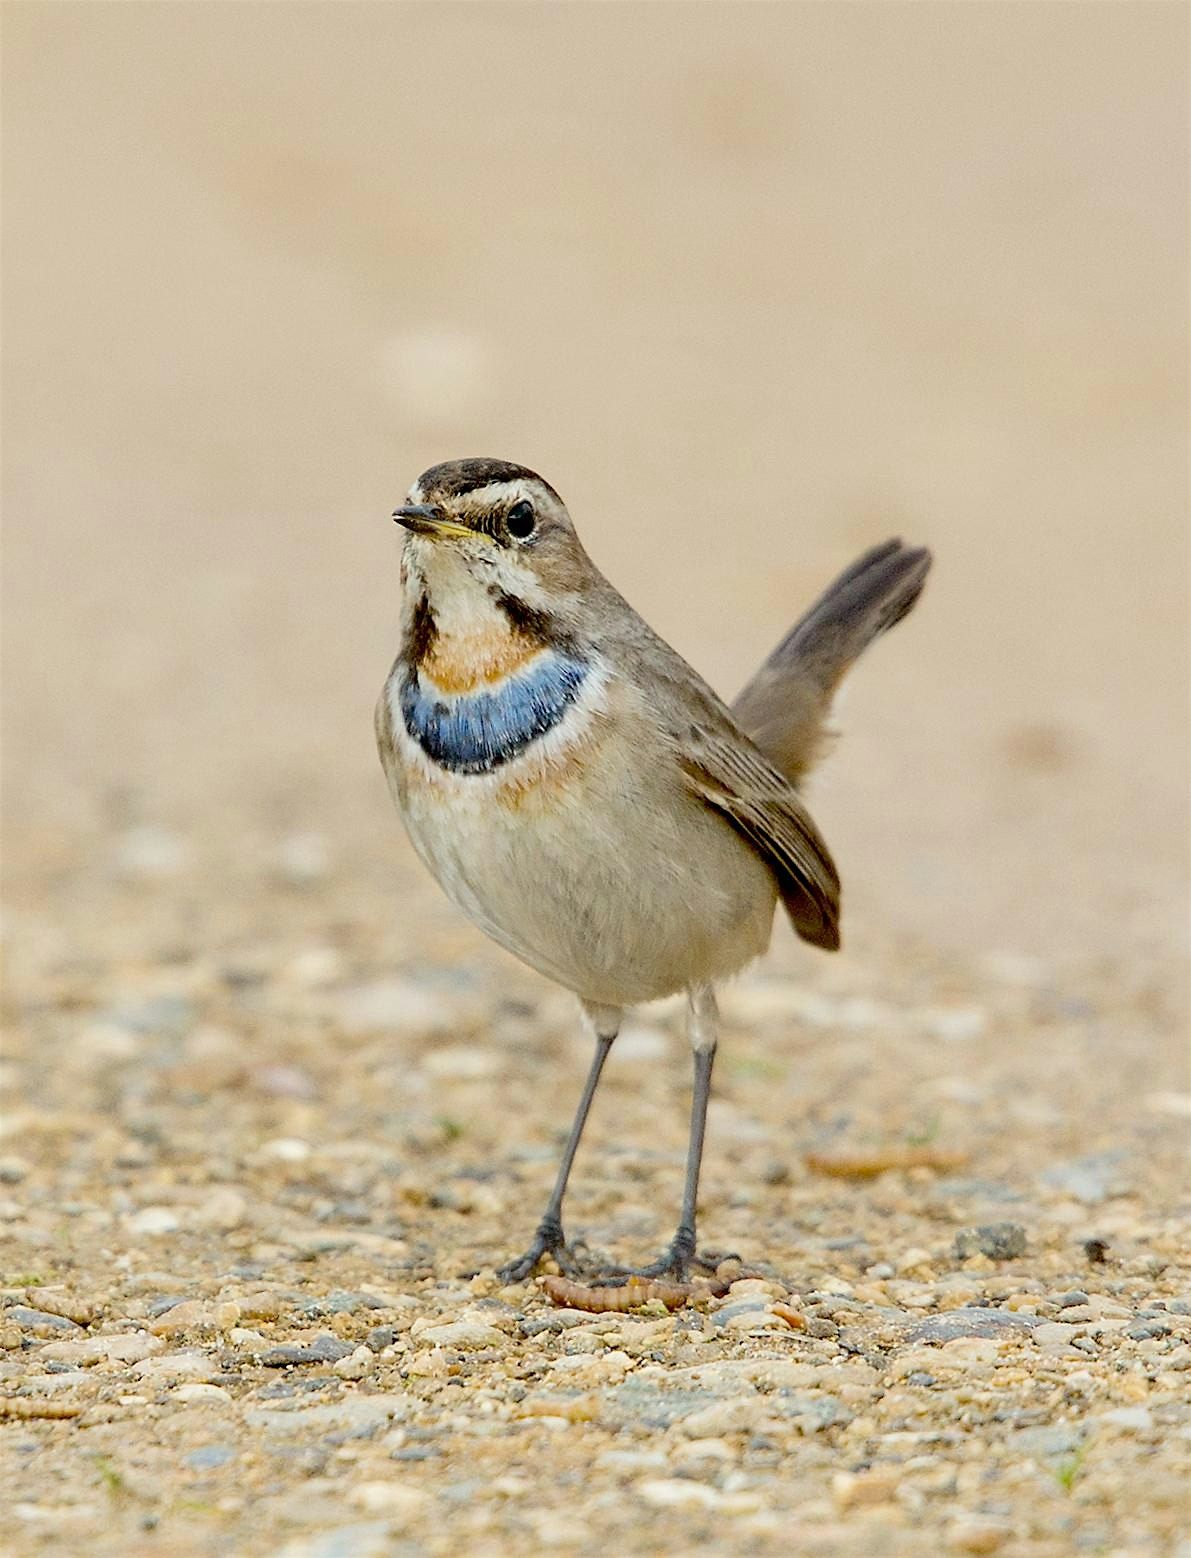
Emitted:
<point x="754" y="286"/>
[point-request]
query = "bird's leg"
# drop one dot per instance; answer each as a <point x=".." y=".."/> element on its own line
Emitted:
<point x="549" y="1238"/>
<point x="702" y="1030"/>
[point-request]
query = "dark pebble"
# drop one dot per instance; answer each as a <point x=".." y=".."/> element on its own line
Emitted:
<point x="1096" y="1251"/>
<point x="953" y="1323"/>
<point x="1071" y="1300"/>
<point x="821" y="1328"/>
<point x="323" y="1349"/>
<point x="380" y="1337"/>
<point x="415" y="1452"/>
<point x="162" y="1305"/>
<point x="31" y="1318"/>
<point x="210" y="1457"/>
<point x="1151" y="1328"/>
<point x="919" y="1378"/>
<point x="999" y="1241"/>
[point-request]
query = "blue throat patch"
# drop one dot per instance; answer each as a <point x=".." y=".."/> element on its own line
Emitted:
<point x="475" y="734"/>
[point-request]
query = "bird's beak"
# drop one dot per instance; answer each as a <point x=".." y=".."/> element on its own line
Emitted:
<point x="425" y="520"/>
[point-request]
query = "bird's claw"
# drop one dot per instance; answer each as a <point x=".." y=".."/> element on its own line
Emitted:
<point x="680" y="1262"/>
<point x="549" y="1240"/>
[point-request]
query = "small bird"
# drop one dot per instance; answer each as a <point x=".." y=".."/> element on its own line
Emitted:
<point x="583" y="795"/>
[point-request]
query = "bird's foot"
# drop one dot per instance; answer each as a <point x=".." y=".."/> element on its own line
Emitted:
<point x="549" y="1240"/>
<point x="680" y="1262"/>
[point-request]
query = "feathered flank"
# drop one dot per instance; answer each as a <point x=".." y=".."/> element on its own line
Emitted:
<point x="758" y="801"/>
<point x="785" y="707"/>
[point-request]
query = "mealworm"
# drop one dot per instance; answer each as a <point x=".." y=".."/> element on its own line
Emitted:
<point x="26" y="1406"/>
<point x="861" y="1165"/>
<point x="621" y="1300"/>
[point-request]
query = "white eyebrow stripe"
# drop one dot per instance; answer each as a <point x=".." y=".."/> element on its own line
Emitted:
<point x="498" y="492"/>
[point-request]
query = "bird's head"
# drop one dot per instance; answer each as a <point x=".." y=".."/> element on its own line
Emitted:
<point x="502" y="522"/>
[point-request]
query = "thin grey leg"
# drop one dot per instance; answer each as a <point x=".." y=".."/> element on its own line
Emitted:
<point x="702" y="1028"/>
<point x="683" y="1246"/>
<point x="549" y="1238"/>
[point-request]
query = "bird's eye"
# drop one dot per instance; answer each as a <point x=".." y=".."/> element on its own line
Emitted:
<point x="520" y="521"/>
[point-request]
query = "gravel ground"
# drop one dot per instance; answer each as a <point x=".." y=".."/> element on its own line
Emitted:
<point x="756" y="287"/>
<point x="259" y="1165"/>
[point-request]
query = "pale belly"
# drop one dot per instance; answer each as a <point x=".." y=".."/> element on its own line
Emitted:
<point x="600" y="869"/>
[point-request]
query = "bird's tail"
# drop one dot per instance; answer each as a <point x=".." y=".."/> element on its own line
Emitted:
<point x="784" y="708"/>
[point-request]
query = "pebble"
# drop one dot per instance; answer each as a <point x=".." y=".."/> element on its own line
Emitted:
<point x="13" y="1169"/>
<point x="194" y="1391"/>
<point x="173" y="1366"/>
<point x="1131" y="1419"/>
<point x="210" y="1457"/>
<point x="395" y="1006"/>
<point x="323" y="1349"/>
<point x="976" y="1534"/>
<point x="464" y="1335"/>
<point x="352" y="1413"/>
<point x="39" y="1321"/>
<point x="1054" y="1333"/>
<point x="998" y="1241"/>
<point x="357" y="1365"/>
<point x="953" y="1323"/>
<point x="128" y="1347"/>
<point x="152" y="1221"/>
<point x="189" y="1315"/>
<point x="878" y="1486"/>
<point x="394" y="1500"/>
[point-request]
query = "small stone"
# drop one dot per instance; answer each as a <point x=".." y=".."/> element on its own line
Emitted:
<point x="13" y="1169"/>
<point x="356" y="1365"/>
<point x="736" y="1415"/>
<point x="954" y="1024"/>
<point x="223" y="1210"/>
<point x="194" y="1391"/>
<point x="1132" y="1419"/>
<point x="1091" y="1179"/>
<point x="677" y="1493"/>
<point x="303" y="858"/>
<point x="323" y="1349"/>
<point x="210" y="1457"/>
<point x="998" y="1241"/>
<point x="1054" y="1333"/>
<point x="1070" y="1299"/>
<point x="80" y="1310"/>
<point x="462" y="1063"/>
<point x="976" y="1534"/>
<point x="953" y="1323"/>
<point x="397" y="1006"/>
<point x="464" y="1335"/>
<point x="128" y="1347"/>
<point x="153" y="1220"/>
<point x="150" y="854"/>
<point x="285" y="1149"/>
<point x="851" y="1489"/>
<point x="190" y="1315"/>
<point x="394" y="1499"/>
<point x="39" y="1322"/>
<point x="1047" y="1440"/>
<point x="175" y="1366"/>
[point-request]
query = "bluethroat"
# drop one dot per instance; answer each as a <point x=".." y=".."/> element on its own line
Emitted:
<point x="582" y="794"/>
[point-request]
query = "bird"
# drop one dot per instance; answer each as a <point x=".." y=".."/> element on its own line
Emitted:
<point x="582" y="794"/>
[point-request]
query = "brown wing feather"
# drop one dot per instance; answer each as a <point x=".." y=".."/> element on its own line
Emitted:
<point x="738" y="781"/>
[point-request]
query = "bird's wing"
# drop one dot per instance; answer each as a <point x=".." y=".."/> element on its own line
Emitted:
<point x="728" y="772"/>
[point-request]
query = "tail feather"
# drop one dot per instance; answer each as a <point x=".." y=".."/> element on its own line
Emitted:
<point x="785" y="706"/>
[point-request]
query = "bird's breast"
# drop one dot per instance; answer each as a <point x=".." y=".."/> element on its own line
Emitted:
<point x="474" y="719"/>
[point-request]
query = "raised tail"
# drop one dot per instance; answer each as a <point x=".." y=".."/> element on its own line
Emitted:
<point x="785" y="706"/>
